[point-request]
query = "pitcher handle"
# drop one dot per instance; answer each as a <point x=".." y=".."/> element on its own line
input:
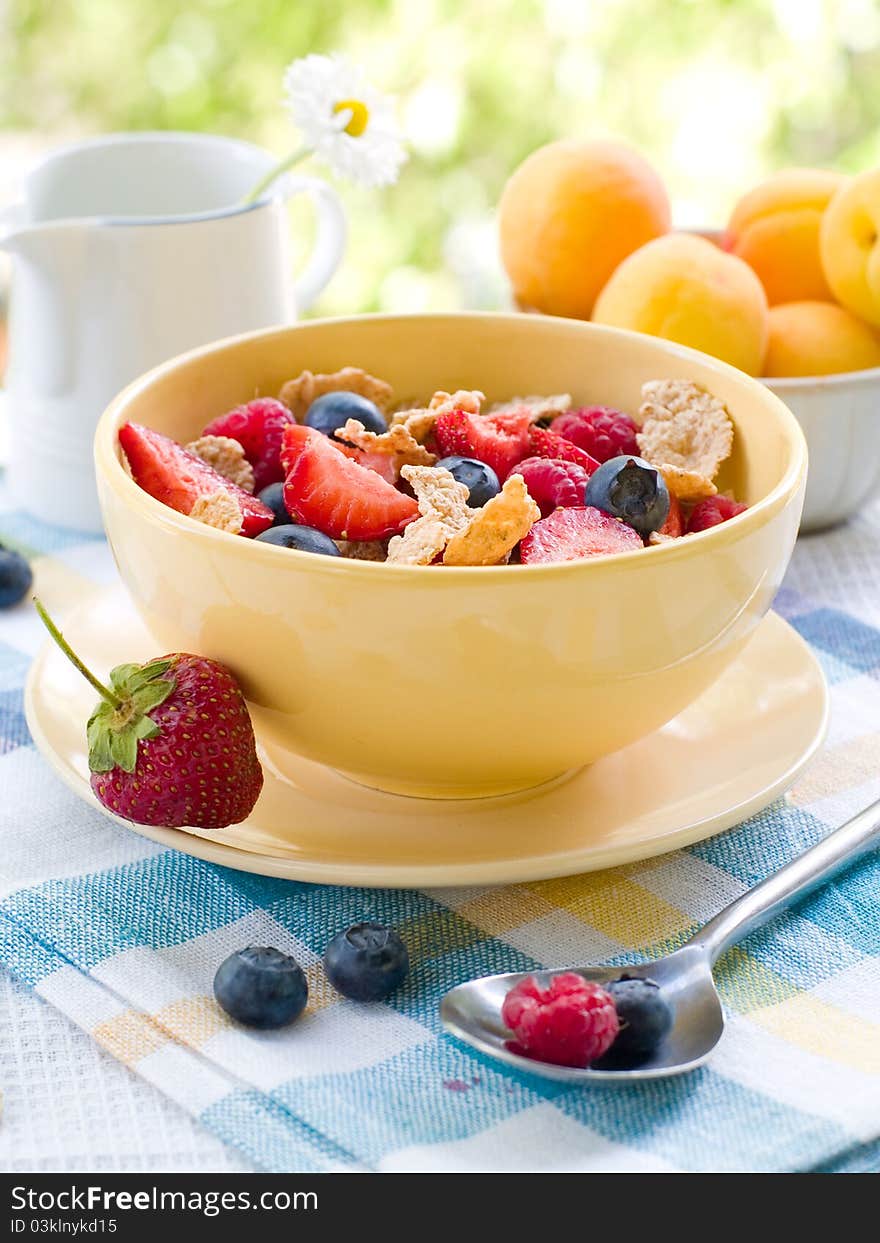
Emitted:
<point x="330" y="237"/>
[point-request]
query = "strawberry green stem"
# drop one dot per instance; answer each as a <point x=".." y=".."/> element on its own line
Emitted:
<point x="103" y="691"/>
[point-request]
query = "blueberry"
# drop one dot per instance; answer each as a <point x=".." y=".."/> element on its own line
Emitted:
<point x="631" y="489"/>
<point x="261" y="987"/>
<point x="366" y="962"/>
<point x="273" y="496"/>
<point x="328" y="413"/>
<point x="644" y="1014"/>
<point x="16" y="578"/>
<point x="477" y="477"/>
<point x="305" y="539"/>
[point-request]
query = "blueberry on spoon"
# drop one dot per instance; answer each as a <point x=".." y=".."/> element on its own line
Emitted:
<point x="645" y="1018"/>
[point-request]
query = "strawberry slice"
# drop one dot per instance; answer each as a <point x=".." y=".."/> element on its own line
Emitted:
<point x="178" y="478"/>
<point x="328" y="490"/>
<point x="499" y="440"/>
<point x="674" y="524"/>
<point x="545" y="443"/>
<point x="298" y="436"/>
<point x="570" y="534"/>
<point x="383" y="464"/>
<point x="294" y="441"/>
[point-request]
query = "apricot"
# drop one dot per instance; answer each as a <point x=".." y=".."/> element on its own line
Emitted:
<point x="818" y="338"/>
<point x="686" y="289"/>
<point x="850" y="246"/>
<point x="567" y="217"/>
<point x="775" y="229"/>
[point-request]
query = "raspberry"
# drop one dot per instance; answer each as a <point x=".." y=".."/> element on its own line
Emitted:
<point x="258" y="427"/>
<point x="712" y="511"/>
<point x="600" y="431"/>
<point x="570" y="1023"/>
<point x="552" y="482"/>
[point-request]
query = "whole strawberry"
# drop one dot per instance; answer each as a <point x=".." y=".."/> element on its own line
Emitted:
<point x="171" y="742"/>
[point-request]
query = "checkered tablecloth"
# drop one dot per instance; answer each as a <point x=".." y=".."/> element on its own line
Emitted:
<point x="123" y="937"/>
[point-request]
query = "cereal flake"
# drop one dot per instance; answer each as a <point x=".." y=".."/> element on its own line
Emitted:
<point x="227" y="457"/>
<point x="444" y="510"/>
<point x="495" y="529"/>
<point x="398" y="442"/>
<point x="219" y="510"/>
<point x="687" y="485"/>
<point x="299" y="393"/>
<point x="538" y="407"/>
<point x="686" y="433"/>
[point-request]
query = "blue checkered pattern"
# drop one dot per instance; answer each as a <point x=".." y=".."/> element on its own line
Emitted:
<point x="124" y="937"/>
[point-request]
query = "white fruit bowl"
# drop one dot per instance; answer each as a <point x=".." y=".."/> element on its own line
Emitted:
<point x="840" y="417"/>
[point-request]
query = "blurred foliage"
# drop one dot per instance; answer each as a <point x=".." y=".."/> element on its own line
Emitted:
<point x="716" y="93"/>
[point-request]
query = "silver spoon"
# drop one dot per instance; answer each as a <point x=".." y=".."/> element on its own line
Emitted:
<point x="472" y="1011"/>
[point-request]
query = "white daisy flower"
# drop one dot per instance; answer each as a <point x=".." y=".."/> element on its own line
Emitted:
<point x="346" y="122"/>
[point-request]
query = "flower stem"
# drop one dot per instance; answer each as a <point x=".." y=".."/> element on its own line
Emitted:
<point x="274" y="173"/>
<point x="103" y="691"/>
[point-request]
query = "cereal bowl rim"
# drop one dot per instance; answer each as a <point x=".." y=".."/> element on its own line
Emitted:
<point x="109" y="466"/>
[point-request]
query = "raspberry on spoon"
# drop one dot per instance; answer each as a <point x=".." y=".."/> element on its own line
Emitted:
<point x="572" y="1022"/>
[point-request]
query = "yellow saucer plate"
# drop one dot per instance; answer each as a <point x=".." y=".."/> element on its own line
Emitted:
<point x="730" y="754"/>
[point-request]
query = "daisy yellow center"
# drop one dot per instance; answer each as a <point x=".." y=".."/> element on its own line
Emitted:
<point x="360" y="115"/>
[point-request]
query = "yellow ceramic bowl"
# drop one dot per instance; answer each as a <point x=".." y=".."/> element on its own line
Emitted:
<point x="448" y="682"/>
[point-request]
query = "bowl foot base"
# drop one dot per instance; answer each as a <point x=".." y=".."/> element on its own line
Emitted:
<point x="299" y="772"/>
<point x="425" y="790"/>
<point x="733" y="752"/>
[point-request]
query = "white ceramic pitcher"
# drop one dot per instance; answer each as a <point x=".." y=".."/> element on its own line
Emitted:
<point x="127" y="250"/>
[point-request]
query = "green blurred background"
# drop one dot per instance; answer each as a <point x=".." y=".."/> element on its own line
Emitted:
<point x="715" y="92"/>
